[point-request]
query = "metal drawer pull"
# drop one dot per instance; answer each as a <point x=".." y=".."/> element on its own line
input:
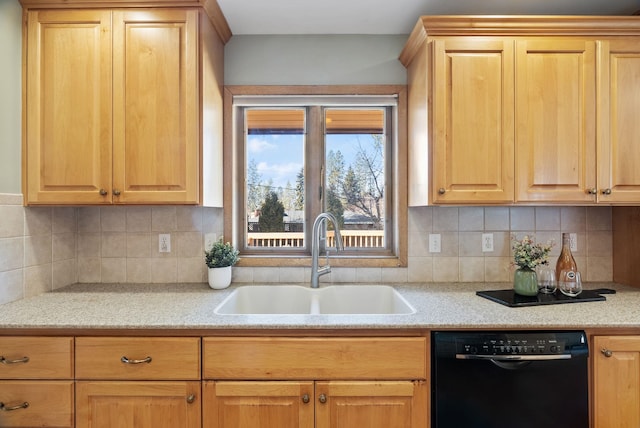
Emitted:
<point x="191" y="398"/>
<point x="322" y="398"/>
<point x="3" y="360"/>
<point x="128" y="361"/>
<point x="305" y="398"/>
<point x="606" y="352"/>
<point x="10" y="408"/>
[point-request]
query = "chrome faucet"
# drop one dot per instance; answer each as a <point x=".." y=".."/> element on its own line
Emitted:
<point x="317" y="236"/>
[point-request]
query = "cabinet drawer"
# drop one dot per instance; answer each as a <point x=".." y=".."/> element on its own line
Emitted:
<point x="36" y="358"/>
<point x="315" y="358"/>
<point x="137" y="358"/>
<point x="36" y="403"/>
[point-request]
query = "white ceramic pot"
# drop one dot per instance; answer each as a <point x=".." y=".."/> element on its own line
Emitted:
<point x="219" y="278"/>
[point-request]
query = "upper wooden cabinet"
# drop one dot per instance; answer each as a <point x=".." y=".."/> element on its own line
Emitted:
<point x="115" y="102"/>
<point x="472" y="152"/>
<point x="619" y="138"/>
<point x="518" y="109"/>
<point x="555" y="120"/>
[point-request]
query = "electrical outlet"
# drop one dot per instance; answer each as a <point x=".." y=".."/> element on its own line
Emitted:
<point x="574" y="241"/>
<point x="209" y="240"/>
<point x="434" y="242"/>
<point x="164" y="243"/>
<point x="487" y="242"/>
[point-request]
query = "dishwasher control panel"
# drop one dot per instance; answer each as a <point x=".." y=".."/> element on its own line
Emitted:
<point x="512" y="343"/>
<point x="516" y="346"/>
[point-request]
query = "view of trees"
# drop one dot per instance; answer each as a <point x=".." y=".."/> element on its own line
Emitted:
<point x="357" y="187"/>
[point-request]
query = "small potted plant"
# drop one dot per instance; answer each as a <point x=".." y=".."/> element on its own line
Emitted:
<point x="219" y="259"/>
<point x="527" y="255"/>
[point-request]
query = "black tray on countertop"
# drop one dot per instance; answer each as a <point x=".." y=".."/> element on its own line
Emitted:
<point x="513" y="300"/>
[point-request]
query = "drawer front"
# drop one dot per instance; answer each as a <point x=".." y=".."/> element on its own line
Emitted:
<point x="36" y="358"/>
<point x="138" y="358"/>
<point x="36" y="403"/>
<point x="315" y="358"/>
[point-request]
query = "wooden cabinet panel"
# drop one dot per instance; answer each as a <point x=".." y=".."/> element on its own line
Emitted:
<point x="138" y="404"/>
<point x="41" y="404"/>
<point x="371" y="404"/>
<point x="555" y="120"/>
<point x="619" y="102"/>
<point x="251" y="404"/>
<point x="156" y="106"/>
<point x="149" y="358"/>
<point x="113" y="106"/>
<point x="314" y="358"/>
<point x="616" y="382"/>
<point x="472" y="152"/>
<point x="68" y="126"/>
<point x="36" y="357"/>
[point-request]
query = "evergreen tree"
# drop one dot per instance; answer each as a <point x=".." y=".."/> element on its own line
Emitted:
<point x="335" y="207"/>
<point x="271" y="214"/>
<point x="299" y="198"/>
<point x="254" y="189"/>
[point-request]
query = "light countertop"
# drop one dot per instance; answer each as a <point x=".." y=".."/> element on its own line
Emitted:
<point x="191" y="306"/>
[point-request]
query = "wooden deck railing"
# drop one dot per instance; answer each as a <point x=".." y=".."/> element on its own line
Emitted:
<point x="350" y="239"/>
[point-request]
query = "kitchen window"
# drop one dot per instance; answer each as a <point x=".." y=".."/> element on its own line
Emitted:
<point x="293" y="156"/>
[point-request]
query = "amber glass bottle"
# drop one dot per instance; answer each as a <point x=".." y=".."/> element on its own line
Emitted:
<point x="566" y="260"/>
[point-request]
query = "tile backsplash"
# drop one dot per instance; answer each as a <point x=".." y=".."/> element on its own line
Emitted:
<point x="45" y="248"/>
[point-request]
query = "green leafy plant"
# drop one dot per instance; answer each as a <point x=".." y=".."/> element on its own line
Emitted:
<point x="527" y="254"/>
<point x="221" y="254"/>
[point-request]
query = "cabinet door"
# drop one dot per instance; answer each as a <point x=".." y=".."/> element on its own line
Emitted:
<point x="371" y="404"/>
<point x="472" y="155"/>
<point x="68" y="126"/>
<point x="555" y="121"/>
<point x="138" y="404"/>
<point x="616" y="381"/>
<point x="156" y="106"/>
<point x="619" y="104"/>
<point x="267" y="404"/>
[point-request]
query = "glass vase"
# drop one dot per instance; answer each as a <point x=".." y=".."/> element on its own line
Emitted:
<point x="525" y="282"/>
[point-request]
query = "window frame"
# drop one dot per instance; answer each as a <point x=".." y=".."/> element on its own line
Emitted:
<point x="234" y="165"/>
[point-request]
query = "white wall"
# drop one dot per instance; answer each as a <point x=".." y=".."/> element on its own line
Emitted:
<point x="314" y="60"/>
<point x="10" y="95"/>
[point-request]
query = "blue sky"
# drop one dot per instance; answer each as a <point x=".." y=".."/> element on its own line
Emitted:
<point x="281" y="156"/>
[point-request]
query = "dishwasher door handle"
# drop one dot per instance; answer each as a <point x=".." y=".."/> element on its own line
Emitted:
<point x="513" y="357"/>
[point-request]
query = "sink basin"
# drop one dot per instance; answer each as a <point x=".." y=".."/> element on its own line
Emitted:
<point x="294" y="299"/>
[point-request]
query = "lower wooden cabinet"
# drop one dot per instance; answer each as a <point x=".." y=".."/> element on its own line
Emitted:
<point x="36" y="403"/>
<point x="616" y="381"/>
<point x="315" y="382"/>
<point x="138" y="404"/>
<point x="321" y="404"/>
<point x="36" y="382"/>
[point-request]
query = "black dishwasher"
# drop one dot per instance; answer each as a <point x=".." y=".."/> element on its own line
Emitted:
<point x="509" y="379"/>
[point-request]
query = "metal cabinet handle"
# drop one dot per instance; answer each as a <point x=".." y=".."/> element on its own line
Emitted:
<point x="305" y="398"/>
<point x="116" y="192"/>
<point x="606" y="191"/>
<point x="191" y="398"/>
<point x="10" y="408"/>
<point x="606" y="352"/>
<point x="128" y="361"/>
<point x="322" y="398"/>
<point x="442" y="191"/>
<point x="103" y="192"/>
<point x="592" y="191"/>
<point x="3" y="360"/>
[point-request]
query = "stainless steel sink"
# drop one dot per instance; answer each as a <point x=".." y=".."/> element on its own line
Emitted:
<point x="294" y="299"/>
